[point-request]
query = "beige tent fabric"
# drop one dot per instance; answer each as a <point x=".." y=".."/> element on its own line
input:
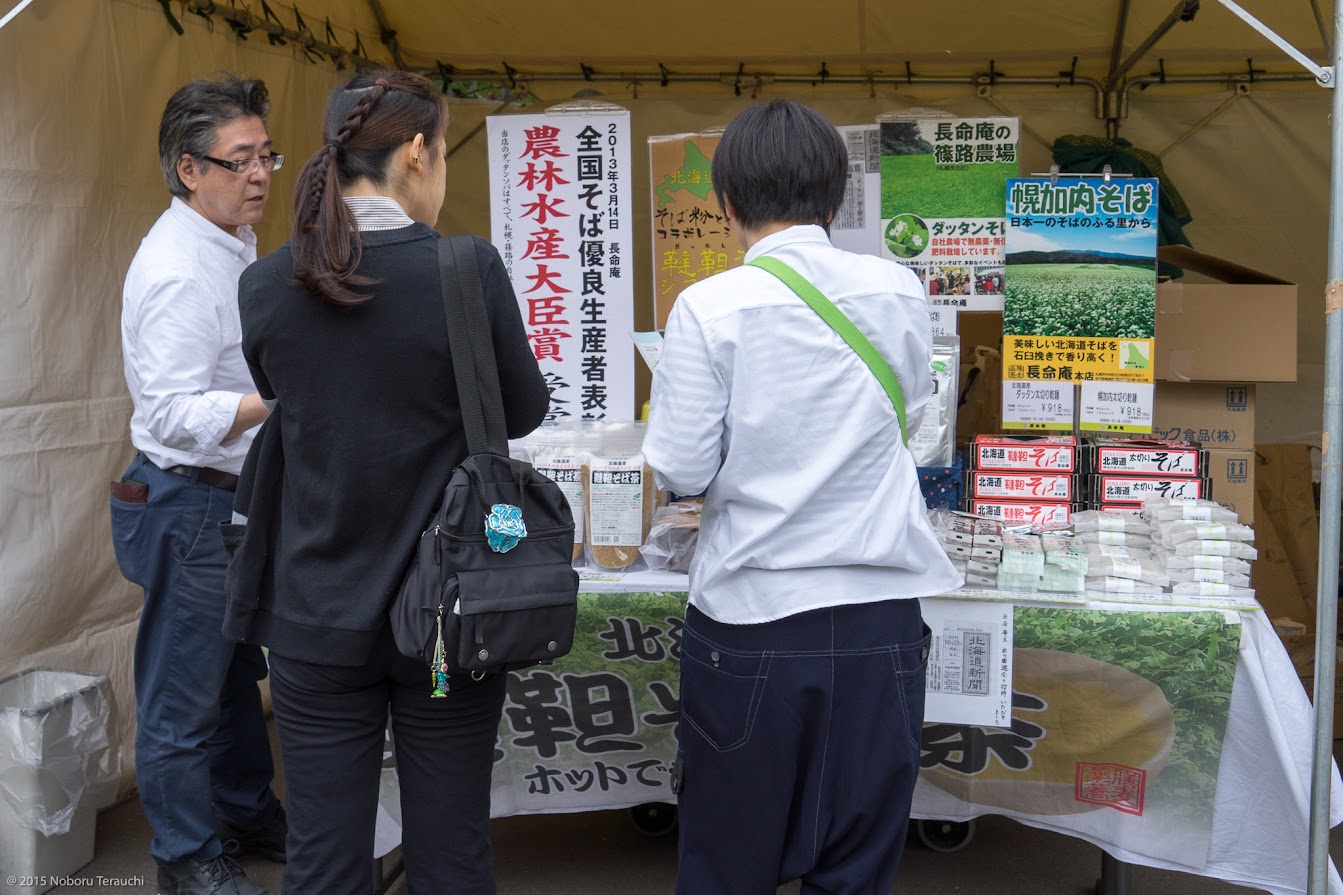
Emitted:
<point x="80" y="185"/>
<point x="708" y="35"/>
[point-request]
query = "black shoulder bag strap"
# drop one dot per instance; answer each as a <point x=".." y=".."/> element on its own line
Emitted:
<point x="472" y="347"/>
<point x="473" y="363"/>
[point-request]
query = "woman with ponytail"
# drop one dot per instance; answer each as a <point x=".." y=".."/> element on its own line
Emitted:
<point x="344" y="332"/>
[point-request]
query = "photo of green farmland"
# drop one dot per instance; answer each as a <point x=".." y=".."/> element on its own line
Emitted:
<point x="1093" y="300"/>
<point x="914" y="183"/>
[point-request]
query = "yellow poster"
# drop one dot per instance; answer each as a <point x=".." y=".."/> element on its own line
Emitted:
<point x="692" y="239"/>
<point x="1076" y="359"/>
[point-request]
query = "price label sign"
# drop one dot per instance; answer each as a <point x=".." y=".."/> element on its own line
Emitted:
<point x="1038" y="406"/>
<point x="943" y="320"/>
<point x="1117" y="406"/>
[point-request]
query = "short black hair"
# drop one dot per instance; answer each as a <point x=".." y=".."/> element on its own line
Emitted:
<point x="780" y="163"/>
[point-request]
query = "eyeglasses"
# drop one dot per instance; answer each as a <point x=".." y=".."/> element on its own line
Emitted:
<point x="272" y="162"/>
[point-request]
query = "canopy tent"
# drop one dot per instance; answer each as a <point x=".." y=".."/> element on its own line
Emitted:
<point x="1242" y="130"/>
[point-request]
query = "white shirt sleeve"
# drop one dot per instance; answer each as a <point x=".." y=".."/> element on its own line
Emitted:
<point x="684" y="440"/>
<point x="179" y="339"/>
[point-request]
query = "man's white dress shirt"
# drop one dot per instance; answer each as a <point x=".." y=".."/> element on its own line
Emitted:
<point x="813" y="500"/>
<point x="181" y="341"/>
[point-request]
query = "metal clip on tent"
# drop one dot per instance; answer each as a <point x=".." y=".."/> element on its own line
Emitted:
<point x="1054" y="174"/>
<point x="587" y="107"/>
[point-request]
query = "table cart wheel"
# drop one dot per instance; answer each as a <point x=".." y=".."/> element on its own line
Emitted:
<point x="945" y="835"/>
<point x="654" y="818"/>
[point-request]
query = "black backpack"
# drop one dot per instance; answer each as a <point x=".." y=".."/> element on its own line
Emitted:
<point x="491" y="586"/>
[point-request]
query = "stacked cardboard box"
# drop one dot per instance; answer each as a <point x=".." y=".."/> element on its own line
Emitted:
<point x="1220" y="416"/>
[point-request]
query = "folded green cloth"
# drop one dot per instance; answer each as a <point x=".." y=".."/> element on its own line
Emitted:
<point x="1077" y="154"/>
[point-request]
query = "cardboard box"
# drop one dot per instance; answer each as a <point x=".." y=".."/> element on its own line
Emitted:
<point x="1020" y="453"/>
<point x="1043" y="515"/>
<point x="1240" y="329"/>
<point x="979" y="328"/>
<point x="1139" y="457"/>
<point x="1134" y="489"/>
<point x="1232" y="476"/>
<point x="1274" y="582"/>
<point x="1219" y="415"/>
<point x="1302" y="652"/>
<point x="1030" y="486"/>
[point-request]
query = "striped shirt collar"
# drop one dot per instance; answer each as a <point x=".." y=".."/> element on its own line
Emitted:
<point x="377" y="213"/>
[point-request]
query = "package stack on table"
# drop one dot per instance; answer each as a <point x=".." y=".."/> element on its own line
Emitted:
<point x="1204" y="549"/>
<point x="1119" y="553"/>
<point x="1126" y="472"/>
<point x="1023" y="479"/>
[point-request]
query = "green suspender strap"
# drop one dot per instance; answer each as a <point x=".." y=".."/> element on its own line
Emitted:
<point x="841" y="324"/>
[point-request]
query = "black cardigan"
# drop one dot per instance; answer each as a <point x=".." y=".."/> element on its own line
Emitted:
<point x="343" y="477"/>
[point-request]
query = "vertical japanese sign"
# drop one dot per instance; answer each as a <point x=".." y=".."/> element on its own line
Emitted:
<point x="1081" y="292"/>
<point x="561" y="218"/>
<point x="857" y="225"/>
<point x="969" y="676"/>
<point x="692" y="239"/>
<point x="942" y="183"/>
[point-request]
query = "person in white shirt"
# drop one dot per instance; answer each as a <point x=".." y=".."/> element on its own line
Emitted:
<point x="803" y="657"/>
<point x="202" y="755"/>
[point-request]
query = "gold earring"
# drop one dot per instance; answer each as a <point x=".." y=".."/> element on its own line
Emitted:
<point x="416" y="159"/>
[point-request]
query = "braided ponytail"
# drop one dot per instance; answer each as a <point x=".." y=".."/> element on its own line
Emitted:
<point x="365" y="122"/>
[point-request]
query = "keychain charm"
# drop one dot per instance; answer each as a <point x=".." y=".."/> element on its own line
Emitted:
<point x="504" y="527"/>
<point x="438" y="671"/>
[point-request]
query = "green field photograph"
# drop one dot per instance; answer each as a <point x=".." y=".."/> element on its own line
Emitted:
<point x="914" y="183"/>
<point x="1080" y="300"/>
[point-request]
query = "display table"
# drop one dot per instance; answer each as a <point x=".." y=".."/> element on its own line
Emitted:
<point x="1171" y="738"/>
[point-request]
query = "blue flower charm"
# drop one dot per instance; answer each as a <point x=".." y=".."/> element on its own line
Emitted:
<point x="504" y="527"/>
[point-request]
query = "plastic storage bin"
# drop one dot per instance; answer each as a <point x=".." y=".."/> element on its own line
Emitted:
<point x="56" y="766"/>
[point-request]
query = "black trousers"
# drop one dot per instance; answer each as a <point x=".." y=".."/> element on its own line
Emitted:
<point x="331" y="722"/>
<point x="799" y="742"/>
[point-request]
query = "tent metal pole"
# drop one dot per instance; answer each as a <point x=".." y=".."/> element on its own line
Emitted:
<point x="1121" y="26"/>
<point x="1331" y="501"/>
<point x="1184" y="11"/>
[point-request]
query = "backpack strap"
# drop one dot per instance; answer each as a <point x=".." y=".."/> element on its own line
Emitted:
<point x="472" y="347"/>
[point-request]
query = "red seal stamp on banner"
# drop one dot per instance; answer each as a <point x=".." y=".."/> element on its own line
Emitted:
<point x="1115" y="785"/>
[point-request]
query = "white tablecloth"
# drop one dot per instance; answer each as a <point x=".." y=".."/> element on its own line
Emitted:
<point x="1261" y="808"/>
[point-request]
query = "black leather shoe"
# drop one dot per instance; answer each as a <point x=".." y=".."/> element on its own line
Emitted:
<point x="265" y="839"/>
<point x="218" y="876"/>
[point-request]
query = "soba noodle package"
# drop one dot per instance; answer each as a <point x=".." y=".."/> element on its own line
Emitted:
<point x="559" y="452"/>
<point x="934" y="442"/>
<point x="620" y="497"/>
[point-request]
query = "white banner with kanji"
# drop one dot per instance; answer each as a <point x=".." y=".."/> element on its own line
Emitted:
<point x="561" y="218"/>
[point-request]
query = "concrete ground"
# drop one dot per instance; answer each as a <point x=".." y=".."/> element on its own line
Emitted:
<point x="603" y="853"/>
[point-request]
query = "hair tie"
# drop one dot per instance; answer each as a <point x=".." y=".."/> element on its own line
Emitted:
<point x="336" y="142"/>
<point x="382" y="82"/>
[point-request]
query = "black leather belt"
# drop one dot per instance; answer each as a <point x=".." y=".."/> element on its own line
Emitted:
<point x="215" y="478"/>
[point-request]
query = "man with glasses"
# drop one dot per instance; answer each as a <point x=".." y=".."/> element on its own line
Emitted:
<point x="203" y="760"/>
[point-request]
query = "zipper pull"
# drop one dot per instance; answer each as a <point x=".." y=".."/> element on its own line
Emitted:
<point x="438" y="558"/>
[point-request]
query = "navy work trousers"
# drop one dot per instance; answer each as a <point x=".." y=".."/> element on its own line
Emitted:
<point x="799" y="749"/>
<point x="201" y="747"/>
<point x="332" y="723"/>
